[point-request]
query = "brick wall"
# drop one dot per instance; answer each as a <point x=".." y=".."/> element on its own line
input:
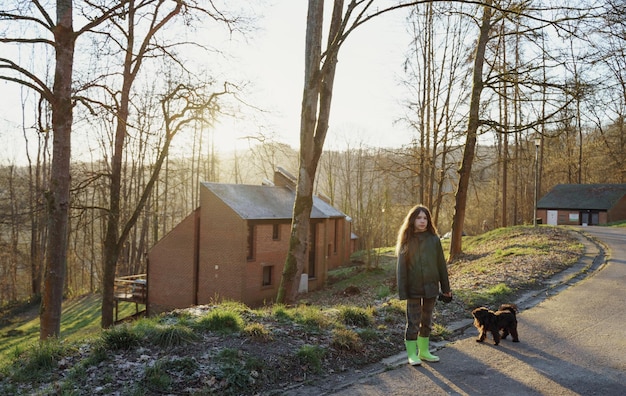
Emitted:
<point x="569" y="217"/>
<point x="268" y="253"/>
<point x="543" y="215"/>
<point x="171" y="269"/>
<point x="222" y="251"/>
<point x="618" y="211"/>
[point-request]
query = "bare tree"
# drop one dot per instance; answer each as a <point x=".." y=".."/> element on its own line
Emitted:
<point x="138" y="31"/>
<point x="60" y="98"/>
<point x="472" y="131"/>
<point x="318" y="88"/>
<point x="436" y="76"/>
<point x="319" y="76"/>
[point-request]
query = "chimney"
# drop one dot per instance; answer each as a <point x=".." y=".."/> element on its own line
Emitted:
<point x="282" y="178"/>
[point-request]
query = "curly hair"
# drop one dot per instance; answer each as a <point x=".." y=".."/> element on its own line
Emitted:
<point x="406" y="229"/>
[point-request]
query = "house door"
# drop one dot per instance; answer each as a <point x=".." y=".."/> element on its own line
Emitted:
<point x="590" y="218"/>
<point x="553" y="217"/>
<point x="312" y="248"/>
<point x="595" y="218"/>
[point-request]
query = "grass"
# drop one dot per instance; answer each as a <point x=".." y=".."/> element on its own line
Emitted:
<point x="258" y="331"/>
<point x="347" y="340"/>
<point x="221" y="319"/>
<point x="80" y="320"/>
<point x="39" y="360"/>
<point x="356" y="316"/>
<point x="311" y="355"/>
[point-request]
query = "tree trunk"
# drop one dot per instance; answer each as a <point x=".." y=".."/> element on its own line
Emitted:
<point x="37" y="218"/>
<point x="318" y="87"/>
<point x="59" y="194"/>
<point x="472" y="130"/>
<point x="113" y="240"/>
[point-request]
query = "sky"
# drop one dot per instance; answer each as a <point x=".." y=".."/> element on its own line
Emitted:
<point x="367" y="95"/>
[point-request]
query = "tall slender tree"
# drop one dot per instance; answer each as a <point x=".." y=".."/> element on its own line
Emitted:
<point x="63" y="41"/>
<point x="139" y="27"/>
<point x="473" y="123"/>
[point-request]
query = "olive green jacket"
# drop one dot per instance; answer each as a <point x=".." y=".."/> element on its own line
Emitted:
<point x="421" y="268"/>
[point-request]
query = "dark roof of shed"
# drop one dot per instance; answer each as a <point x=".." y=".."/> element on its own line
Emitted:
<point x="263" y="202"/>
<point x="582" y="196"/>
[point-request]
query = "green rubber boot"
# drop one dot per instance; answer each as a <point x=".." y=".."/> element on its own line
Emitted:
<point x="424" y="353"/>
<point x="411" y="351"/>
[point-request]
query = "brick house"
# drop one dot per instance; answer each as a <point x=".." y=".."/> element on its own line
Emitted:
<point x="583" y="204"/>
<point x="234" y="246"/>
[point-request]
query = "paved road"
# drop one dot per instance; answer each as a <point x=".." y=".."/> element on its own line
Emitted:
<point x="572" y="343"/>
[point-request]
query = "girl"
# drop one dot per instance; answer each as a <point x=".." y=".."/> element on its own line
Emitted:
<point x="421" y="271"/>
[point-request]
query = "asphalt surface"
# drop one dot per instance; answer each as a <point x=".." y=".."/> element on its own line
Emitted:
<point x="572" y="342"/>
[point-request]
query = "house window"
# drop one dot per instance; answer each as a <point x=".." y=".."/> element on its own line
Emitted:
<point x="276" y="232"/>
<point x="250" y="242"/>
<point x="267" y="275"/>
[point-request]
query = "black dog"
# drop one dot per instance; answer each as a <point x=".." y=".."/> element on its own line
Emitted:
<point x="504" y="319"/>
<point x="507" y="321"/>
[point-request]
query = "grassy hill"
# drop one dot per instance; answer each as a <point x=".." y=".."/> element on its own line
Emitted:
<point x="228" y="348"/>
<point x="19" y="325"/>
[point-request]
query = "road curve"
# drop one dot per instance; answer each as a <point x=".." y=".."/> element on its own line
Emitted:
<point x="572" y="343"/>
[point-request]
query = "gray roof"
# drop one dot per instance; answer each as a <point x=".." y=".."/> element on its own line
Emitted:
<point x="254" y="202"/>
<point x="583" y="196"/>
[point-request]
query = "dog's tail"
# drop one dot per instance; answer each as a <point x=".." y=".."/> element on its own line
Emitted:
<point x="512" y="308"/>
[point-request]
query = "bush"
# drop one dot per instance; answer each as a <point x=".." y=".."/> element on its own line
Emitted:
<point x="311" y="356"/>
<point x="281" y="313"/>
<point x="236" y="371"/>
<point x="499" y="290"/>
<point x="98" y="353"/>
<point x="368" y="334"/>
<point x="168" y="336"/>
<point x="120" y="337"/>
<point x="311" y="317"/>
<point x="356" y="316"/>
<point x="39" y="360"/>
<point x="440" y="332"/>
<point x="161" y="375"/>
<point x="258" y="331"/>
<point x="346" y="339"/>
<point x="221" y="320"/>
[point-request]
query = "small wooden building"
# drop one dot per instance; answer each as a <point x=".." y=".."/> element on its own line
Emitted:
<point x="235" y="244"/>
<point x="583" y="204"/>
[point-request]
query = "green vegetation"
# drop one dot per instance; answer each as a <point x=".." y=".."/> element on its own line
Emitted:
<point x="80" y="321"/>
<point x="122" y="337"/>
<point x="346" y="339"/>
<point x="491" y="296"/>
<point x="356" y="316"/>
<point x="222" y="320"/>
<point x="39" y="360"/>
<point x="235" y="371"/>
<point x="258" y="331"/>
<point x="311" y="356"/>
<point x="495" y="266"/>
